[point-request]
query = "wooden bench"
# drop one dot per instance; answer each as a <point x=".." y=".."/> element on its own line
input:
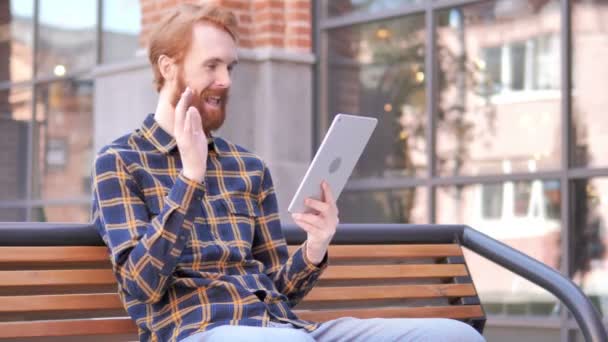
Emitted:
<point x="57" y="285"/>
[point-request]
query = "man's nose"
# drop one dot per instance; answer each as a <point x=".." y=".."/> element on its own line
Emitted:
<point x="223" y="78"/>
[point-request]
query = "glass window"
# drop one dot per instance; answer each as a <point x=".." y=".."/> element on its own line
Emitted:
<point x="537" y="233"/>
<point x="397" y="206"/>
<point x="121" y="25"/>
<point x="15" y="115"/>
<point x="528" y="65"/>
<point x="546" y="62"/>
<point x="377" y="70"/>
<point x="63" y="139"/>
<point x="67" y="36"/>
<point x="16" y="39"/>
<point x="62" y="213"/>
<point x="342" y="7"/>
<point x="499" y="89"/>
<point x="589" y="241"/>
<point x="521" y="203"/>
<point x="13" y="215"/>
<point x="590" y="81"/>
<point x="491" y="199"/>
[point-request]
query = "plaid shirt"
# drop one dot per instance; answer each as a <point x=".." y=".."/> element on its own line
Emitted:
<point x="192" y="256"/>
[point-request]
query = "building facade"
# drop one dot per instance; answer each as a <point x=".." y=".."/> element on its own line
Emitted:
<point x="491" y="114"/>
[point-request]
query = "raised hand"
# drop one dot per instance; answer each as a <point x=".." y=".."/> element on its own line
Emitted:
<point x="190" y="137"/>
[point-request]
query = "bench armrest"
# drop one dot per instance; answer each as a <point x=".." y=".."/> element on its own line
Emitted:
<point x="586" y="315"/>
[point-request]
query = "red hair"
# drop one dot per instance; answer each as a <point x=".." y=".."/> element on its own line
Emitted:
<point x="172" y="36"/>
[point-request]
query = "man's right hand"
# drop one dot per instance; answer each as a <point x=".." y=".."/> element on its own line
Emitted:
<point x="191" y="139"/>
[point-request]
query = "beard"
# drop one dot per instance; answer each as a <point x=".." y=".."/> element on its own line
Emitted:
<point x="205" y="101"/>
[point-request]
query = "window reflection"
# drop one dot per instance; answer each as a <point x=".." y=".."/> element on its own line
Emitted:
<point x="16" y="39"/>
<point x="398" y="206"/>
<point x="62" y="140"/>
<point x="590" y="81"/>
<point x="343" y="7"/>
<point x="64" y="213"/>
<point x="378" y="70"/>
<point x="589" y="240"/>
<point x="13" y="214"/>
<point x="491" y="197"/>
<point x="499" y="86"/>
<point x="120" y="29"/>
<point x="15" y="113"/>
<point x="67" y="36"/>
<point x="524" y="215"/>
<point x="531" y="64"/>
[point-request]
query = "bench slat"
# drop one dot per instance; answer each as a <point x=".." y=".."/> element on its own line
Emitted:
<point x="57" y="277"/>
<point x="457" y="312"/>
<point x="78" y="254"/>
<point x="77" y="327"/>
<point x="100" y="301"/>
<point x="352" y="252"/>
<point x="348" y="293"/>
<point x="105" y="276"/>
<point x="394" y="271"/>
<point x="100" y="253"/>
<point x="89" y="301"/>
<point x="394" y="251"/>
<point x="71" y="327"/>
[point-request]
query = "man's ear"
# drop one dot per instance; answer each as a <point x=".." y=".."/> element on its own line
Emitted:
<point x="167" y="67"/>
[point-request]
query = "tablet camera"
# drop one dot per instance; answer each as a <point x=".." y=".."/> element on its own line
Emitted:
<point x="335" y="165"/>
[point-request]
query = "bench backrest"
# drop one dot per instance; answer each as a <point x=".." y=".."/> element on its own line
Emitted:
<point x="56" y="290"/>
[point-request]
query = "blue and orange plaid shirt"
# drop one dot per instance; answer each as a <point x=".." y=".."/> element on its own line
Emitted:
<point x="192" y="256"/>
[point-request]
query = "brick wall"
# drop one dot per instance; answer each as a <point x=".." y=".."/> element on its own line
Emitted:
<point x="281" y="24"/>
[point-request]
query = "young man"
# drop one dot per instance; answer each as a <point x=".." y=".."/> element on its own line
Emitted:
<point x="191" y="219"/>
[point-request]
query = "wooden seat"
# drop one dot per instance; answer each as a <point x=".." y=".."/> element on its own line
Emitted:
<point x="68" y="292"/>
<point x="393" y="281"/>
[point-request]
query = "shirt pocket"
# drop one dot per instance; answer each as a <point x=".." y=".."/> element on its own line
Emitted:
<point x="242" y="213"/>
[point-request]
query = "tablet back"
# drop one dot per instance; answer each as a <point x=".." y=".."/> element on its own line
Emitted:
<point x="335" y="159"/>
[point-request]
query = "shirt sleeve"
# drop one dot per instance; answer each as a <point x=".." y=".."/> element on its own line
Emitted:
<point x="294" y="276"/>
<point x="144" y="250"/>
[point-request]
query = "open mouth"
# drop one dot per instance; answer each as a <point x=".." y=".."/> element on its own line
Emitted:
<point x="213" y="101"/>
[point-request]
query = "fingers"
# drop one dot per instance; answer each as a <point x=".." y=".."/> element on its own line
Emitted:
<point x="188" y="122"/>
<point x="311" y="219"/>
<point x="328" y="205"/>
<point x="309" y="228"/>
<point x="328" y="195"/>
<point x="319" y="206"/>
<point x="180" y="110"/>
<point x="196" y="122"/>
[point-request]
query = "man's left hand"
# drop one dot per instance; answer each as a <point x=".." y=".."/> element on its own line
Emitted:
<point x="320" y="225"/>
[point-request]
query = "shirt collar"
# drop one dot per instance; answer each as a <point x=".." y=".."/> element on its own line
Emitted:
<point x="162" y="140"/>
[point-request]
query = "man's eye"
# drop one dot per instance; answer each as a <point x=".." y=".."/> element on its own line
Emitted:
<point x="230" y="68"/>
<point x="211" y="66"/>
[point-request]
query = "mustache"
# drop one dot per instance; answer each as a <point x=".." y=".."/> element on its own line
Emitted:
<point x="221" y="93"/>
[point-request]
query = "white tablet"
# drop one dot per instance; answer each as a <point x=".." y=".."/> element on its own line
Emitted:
<point x="335" y="159"/>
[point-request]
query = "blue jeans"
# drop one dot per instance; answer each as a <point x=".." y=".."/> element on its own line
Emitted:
<point x="348" y="329"/>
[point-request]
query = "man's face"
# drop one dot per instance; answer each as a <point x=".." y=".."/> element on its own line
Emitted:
<point x="206" y="70"/>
